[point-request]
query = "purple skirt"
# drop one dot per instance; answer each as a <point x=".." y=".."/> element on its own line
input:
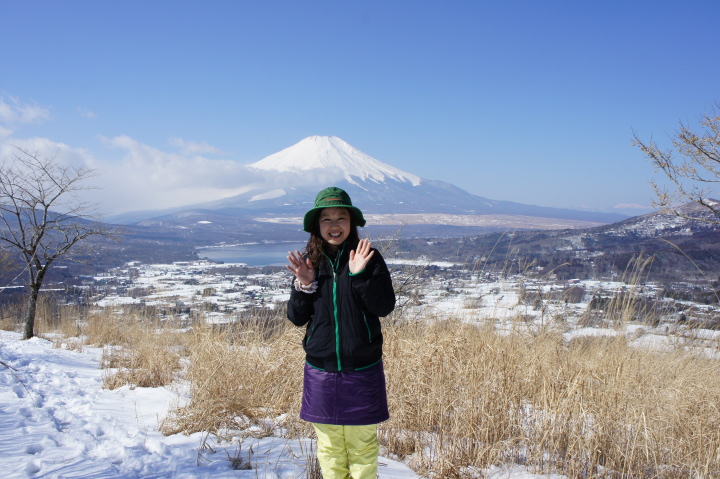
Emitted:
<point x="354" y="398"/>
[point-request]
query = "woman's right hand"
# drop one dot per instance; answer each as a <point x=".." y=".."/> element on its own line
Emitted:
<point x="302" y="269"/>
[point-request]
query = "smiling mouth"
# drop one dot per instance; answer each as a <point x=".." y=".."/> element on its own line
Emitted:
<point x="335" y="235"/>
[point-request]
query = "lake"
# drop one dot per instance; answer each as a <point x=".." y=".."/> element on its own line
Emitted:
<point x="261" y="254"/>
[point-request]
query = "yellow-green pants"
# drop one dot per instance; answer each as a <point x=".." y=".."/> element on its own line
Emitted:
<point x="347" y="451"/>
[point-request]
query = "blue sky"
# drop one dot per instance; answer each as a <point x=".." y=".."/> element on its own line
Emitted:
<point x="528" y="101"/>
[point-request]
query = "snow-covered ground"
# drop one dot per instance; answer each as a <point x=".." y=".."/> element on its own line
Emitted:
<point x="221" y="288"/>
<point x="449" y="290"/>
<point x="56" y="421"/>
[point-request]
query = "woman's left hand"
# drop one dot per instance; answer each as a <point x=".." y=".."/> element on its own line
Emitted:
<point x="303" y="270"/>
<point x="360" y="256"/>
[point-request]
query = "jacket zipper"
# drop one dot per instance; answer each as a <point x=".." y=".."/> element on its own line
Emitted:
<point x="337" y="322"/>
<point x="312" y="331"/>
<point x="367" y="326"/>
<point x="334" y="267"/>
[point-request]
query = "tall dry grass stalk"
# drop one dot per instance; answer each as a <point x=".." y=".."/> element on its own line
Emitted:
<point x="627" y="305"/>
<point x="8" y="323"/>
<point x="249" y="370"/>
<point x="136" y="351"/>
<point x="50" y="318"/>
<point x="463" y="396"/>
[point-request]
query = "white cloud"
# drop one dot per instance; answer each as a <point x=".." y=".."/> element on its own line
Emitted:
<point x="65" y="155"/>
<point x="194" y="148"/>
<point x="145" y="177"/>
<point x="142" y="177"/>
<point x="15" y="111"/>
<point x="632" y="206"/>
<point x="132" y="176"/>
<point x="44" y="147"/>
<point x="86" y="113"/>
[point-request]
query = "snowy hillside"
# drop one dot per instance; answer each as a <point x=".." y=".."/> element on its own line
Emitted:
<point x="56" y="421"/>
<point x="331" y="154"/>
<point x="660" y="223"/>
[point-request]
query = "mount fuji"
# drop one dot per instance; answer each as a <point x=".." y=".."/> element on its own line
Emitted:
<point x="332" y="153"/>
<point x="282" y="186"/>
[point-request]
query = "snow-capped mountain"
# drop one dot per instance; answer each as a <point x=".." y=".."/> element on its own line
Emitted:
<point x="296" y="174"/>
<point x="332" y="153"/>
<point x="285" y="183"/>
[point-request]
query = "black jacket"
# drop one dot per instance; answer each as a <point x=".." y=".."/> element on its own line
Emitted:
<point x="342" y="316"/>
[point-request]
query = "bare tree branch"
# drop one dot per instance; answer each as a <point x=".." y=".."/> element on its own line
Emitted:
<point x="42" y="217"/>
<point x="691" y="167"/>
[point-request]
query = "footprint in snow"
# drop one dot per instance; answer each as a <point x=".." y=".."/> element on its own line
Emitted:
<point x="20" y="391"/>
<point x="33" y="467"/>
<point x="34" y="449"/>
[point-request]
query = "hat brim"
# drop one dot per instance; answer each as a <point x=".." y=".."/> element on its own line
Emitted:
<point x="311" y="216"/>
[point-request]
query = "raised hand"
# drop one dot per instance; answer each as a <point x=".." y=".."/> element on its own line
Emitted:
<point x="302" y="269"/>
<point x="360" y="256"/>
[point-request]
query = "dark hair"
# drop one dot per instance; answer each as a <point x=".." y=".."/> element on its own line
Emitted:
<point x="316" y="244"/>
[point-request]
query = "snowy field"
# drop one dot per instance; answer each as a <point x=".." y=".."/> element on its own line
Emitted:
<point x="56" y="420"/>
<point x="222" y="290"/>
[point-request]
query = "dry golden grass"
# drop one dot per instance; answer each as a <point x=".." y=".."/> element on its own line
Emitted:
<point x="460" y="395"/>
<point x="142" y="362"/>
<point x="595" y="407"/>
<point x="8" y="323"/>
<point x="136" y="351"/>
<point x="52" y="321"/>
<point x="246" y="371"/>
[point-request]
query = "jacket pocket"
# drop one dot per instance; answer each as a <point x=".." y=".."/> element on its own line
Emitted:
<point x="367" y="326"/>
<point x="319" y="340"/>
<point x="310" y="332"/>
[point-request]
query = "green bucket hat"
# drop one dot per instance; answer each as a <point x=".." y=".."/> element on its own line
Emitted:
<point x="332" y="197"/>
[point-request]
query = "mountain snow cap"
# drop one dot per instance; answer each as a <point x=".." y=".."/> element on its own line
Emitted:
<point x="331" y="153"/>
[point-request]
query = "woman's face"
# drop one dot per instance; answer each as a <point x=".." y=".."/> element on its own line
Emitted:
<point x="334" y="225"/>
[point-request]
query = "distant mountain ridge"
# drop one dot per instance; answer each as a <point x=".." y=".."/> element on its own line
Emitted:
<point x="660" y="245"/>
<point x="379" y="187"/>
<point x="696" y="219"/>
<point x="295" y="175"/>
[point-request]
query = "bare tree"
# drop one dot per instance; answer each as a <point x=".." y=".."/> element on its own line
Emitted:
<point x="8" y="269"/>
<point x="692" y="167"/>
<point x="5" y="261"/>
<point x="41" y="216"/>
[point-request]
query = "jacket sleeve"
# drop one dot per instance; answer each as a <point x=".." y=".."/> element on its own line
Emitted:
<point x="300" y="307"/>
<point x="374" y="287"/>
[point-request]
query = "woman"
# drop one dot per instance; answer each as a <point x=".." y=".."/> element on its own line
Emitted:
<point x="341" y="288"/>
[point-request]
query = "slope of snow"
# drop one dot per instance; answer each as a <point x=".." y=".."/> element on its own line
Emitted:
<point x="268" y="195"/>
<point x="656" y="224"/>
<point x="56" y="421"/>
<point x="332" y="153"/>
